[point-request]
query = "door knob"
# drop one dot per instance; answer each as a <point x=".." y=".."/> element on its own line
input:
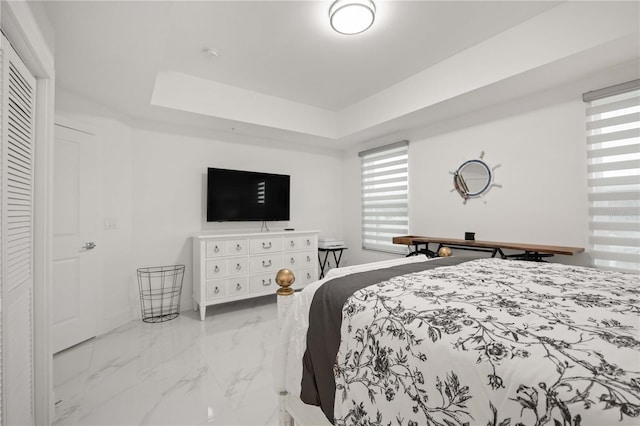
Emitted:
<point x="89" y="245"/>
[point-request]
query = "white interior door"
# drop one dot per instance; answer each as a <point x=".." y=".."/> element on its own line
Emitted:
<point x="76" y="259"/>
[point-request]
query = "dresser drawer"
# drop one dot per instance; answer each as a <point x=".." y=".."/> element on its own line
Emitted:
<point x="216" y="289"/>
<point x="216" y="268"/>
<point x="308" y="259"/>
<point x="308" y="242"/>
<point x="269" y="262"/>
<point x="292" y="243"/>
<point x="215" y="248"/>
<point x="298" y="260"/>
<point x="304" y="276"/>
<point x="263" y="283"/>
<point x="237" y="266"/>
<point x="237" y="247"/>
<point x="237" y="286"/>
<point x="290" y="260"/>
<point x="265" y="245"/>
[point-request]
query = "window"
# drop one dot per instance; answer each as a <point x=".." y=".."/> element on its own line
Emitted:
<point x="613" y="152"/>
<point x="385" y="196"/>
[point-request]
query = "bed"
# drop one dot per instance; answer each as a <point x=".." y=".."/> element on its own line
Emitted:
<point x="459" y="341"/>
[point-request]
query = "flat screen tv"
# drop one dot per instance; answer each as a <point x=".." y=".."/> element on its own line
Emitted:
<point x="238" y="195"/>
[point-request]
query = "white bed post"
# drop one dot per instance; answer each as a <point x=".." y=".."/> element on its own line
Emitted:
<point x="285" y="294"/>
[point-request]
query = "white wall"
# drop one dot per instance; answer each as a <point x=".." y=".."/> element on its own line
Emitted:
<point x="117" y="242"/>
<point x="154" y="193"/>
<point x="542" y="171"/>
<point x="540" y="144"/>
<point x="169" y="183"/>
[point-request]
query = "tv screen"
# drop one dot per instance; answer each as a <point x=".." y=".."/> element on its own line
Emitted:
<point x="237" y="195"/>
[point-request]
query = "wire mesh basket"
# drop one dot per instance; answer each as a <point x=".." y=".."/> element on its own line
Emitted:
<point x="160" y="290"/>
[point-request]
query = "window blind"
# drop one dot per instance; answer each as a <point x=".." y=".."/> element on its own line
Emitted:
<point x="385" y="196"/>
<point x="613" y="152"/>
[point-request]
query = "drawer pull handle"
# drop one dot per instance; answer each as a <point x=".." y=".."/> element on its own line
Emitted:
<point x="216" y="290"/>
<point x="266" y="265"/>
<point x="308" y="259"/>
<point x="308" y="242"/>
<point x="293" y="243"/>
<point x="216" y="269"/>
<point x="238" y="267"/>
<point x="308" y="275"/>
<point x="238" y="287"/>
<point x="266" y="283"/>
<point x="293" y="261"/>
<point x="216" y="249"/>
<point x="238" y="247"/>
<point x="266" y="245"/>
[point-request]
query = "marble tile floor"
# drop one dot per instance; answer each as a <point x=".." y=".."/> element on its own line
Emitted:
<point x="181" y="372"/>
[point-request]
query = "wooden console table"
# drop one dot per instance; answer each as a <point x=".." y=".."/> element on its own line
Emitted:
<point x="533" y="252"/>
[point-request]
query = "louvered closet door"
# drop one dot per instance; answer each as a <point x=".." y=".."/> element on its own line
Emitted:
<point x="18" y="93"/>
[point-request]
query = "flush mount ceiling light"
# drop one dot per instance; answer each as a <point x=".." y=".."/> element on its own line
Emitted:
<point x="352" y="16"/>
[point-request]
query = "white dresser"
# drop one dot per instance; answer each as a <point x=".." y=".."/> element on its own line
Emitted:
<point x="229" y="267"/>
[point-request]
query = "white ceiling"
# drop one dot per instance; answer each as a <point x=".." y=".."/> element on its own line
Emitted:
<point x="278" y="55"/>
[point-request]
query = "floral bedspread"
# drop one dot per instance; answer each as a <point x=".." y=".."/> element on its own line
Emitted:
<point x="492" y="342"/>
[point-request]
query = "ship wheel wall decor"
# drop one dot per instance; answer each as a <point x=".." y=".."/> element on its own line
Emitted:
<point x="474" y="178"/>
